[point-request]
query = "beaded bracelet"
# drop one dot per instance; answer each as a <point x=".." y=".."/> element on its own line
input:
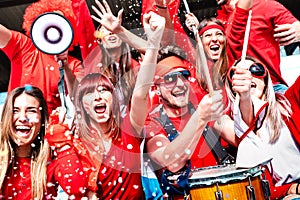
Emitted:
<point x="162" y="7"/>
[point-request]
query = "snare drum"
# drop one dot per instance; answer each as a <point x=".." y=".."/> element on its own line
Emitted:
<point x="227" y="182"/>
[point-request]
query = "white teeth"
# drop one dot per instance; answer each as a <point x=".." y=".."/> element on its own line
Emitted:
<point x="179" y="93"/>
<point x="23" y="127"/>
<point x="214" y="47"/>
<point x="112" y="39"/>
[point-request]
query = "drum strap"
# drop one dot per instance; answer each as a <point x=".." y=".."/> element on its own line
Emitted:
<point x="210" y="137"/>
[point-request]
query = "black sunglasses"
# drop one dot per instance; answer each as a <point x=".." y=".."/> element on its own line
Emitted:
<point x="257" y="70"/>
<point x="171" y="79"/>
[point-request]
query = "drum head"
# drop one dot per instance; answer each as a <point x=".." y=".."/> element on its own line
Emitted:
<point x="220" y="174"/>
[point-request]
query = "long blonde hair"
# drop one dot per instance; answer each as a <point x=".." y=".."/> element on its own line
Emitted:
<point x="40" y="150"/>
<point x="273" y="120"/>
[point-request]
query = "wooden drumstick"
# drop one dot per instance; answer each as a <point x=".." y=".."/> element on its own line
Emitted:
<point x="201" y="59"/>
<point x="244" y="53"/>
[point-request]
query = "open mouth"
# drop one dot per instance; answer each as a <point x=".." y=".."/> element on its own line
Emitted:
<point x="100" y="108"/>
<point x="253" y="85"/>
<point x="22" y="130"/>
<point x="215" y="48"/>
<point x="112" y="39"/>
<point x="179" y="93"/>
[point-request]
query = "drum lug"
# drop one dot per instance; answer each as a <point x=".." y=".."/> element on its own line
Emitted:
<point x="266" y="189"/>
<point x="186" y="195"/>
<point x="218" y="193"/>
<point x="251" y="191"/>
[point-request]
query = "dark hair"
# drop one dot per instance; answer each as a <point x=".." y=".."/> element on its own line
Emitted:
<point x="171" y="50"/>
<point x="220" y="68"/>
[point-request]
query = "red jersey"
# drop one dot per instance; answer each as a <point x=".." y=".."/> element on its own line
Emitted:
<point x="119" y="176"/>
<point x="31" y="66"/>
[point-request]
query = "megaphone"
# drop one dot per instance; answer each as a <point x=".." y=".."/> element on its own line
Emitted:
<point x="51" y="33"/>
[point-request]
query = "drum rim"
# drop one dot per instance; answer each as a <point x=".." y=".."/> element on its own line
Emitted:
<point x="238" y="175"/>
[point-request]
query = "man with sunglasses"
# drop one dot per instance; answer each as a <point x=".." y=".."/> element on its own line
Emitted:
<point x="174" y="85"/>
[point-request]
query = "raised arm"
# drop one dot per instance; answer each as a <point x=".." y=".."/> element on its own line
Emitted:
<point x="5" y="36"/>
<point x="114" y="24"/>
<point x="154" y="27"/>
<point x="163" y="10"/>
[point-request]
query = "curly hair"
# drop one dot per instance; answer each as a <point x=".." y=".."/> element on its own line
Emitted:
<point x="43" y="6"/>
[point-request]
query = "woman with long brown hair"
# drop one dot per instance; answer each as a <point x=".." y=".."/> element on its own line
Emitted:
<point x="27" y="170"/>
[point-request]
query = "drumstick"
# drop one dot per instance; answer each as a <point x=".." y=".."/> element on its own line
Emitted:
<point x="244" y="52"/>
<point x="201" y="59"/>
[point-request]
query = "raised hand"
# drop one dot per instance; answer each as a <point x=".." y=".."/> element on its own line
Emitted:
<point x="287" y="33"/>
<point x="154" y="27"/>
<point x="241" y="82"/>
<point x="106" y="17"/>
<point x="211" y="107"/>
<point x="190" y="21"/>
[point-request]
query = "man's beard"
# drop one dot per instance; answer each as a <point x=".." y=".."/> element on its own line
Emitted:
<point x="221" y="2"/>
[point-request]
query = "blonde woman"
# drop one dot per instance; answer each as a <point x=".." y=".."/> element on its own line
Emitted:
<point x="276" y="135"/>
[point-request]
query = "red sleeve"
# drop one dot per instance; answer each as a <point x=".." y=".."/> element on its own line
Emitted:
<point x="293" y="95"/>
<point x="235" y="34"/>
<point x="17" y="45"/>
<point x="279" y="13"/>
<point x="223" y="16"/>
<point x="68" y="172"/>
<point x="77" y="68"/>
<point x="148" y="6"/>
<point x="153" y="127"/>
<point x="84" y="27"/>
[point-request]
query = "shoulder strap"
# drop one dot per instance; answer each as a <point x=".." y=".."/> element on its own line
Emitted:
<point x="167" y="124"/>
<point x="210" y="137"/>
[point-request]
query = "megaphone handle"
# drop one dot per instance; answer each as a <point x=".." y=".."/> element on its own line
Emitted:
<point x="61" y="88"/>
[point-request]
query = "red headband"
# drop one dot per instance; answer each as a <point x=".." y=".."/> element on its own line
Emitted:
<point x="169" y="63"/>
<point x="210" y="27"/>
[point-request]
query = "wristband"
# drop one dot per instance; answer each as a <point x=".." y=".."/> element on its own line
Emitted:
<point x="162" y="7"/>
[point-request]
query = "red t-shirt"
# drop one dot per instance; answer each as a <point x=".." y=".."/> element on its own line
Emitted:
<point x="30" y="66"/>
<point x="120" y="173"/>
<point x="202" y="156"/>
<point x="65" y="171"/>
